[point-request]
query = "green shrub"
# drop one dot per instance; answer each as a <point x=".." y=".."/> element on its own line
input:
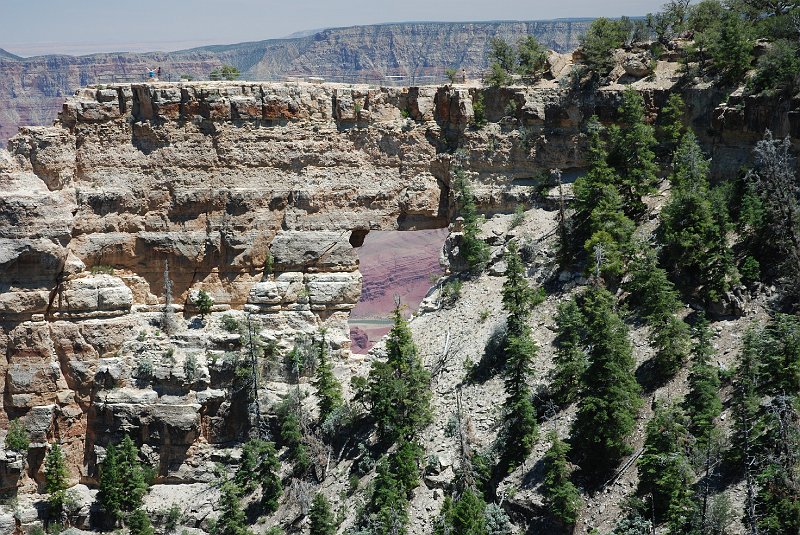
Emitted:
<point x="102" y="269"/>
<point x="230" y="323"/>
<point x="190" y="368"/>
<point x="144" y="368"/>
<point x="17" y="438"/>
<point x="479" y="110"/>
<point x="519" y="216"/>
<point x="225" y="72"/>
<point x="451" y="74"/>
<point x="451" y="292"/>
<point x="172" y="518"/>
<point x="777" y="70"/>
<point x="750" y="270"/>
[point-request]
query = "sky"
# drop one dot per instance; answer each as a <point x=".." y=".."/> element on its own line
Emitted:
<point x="33" y="27"/>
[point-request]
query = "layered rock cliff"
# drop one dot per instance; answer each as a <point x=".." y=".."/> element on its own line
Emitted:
<point x="259" y="194"/>
<point x="33" y="89"/>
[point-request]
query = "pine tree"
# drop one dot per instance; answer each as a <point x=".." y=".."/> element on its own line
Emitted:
<point x="633" y="155"/>
<point x="569" y="361"/>
<point x="469" y="514"/>
<point x="611" y="231"/>
<point x="775" y="182"/>
<point x="609" y="395"/>
<point x="671" y="117"/>
<point x="404" y="464"/>
<point x="232" y="519"/>
<point x="464" y="514"/>
<point x="670" y="338"/>
<point x="520" y="416"/>
<point x="695" y="224"/>
<point x="589" y="187"/>
<point x="139" y="523"/>
<point x="664" y="469"/>
<point x="321" y="516"/>
<point x="561" y="497"/>
<point x="702" y="402"/>
<point x="260" y="467"/>
<point x="290" y="415"/>
<point x="133" y="486"/>
<point x="55" y="471"/>
<point x="388" y="505"/>
<point x="474" y="250"/>
<point x="329" y="389"/>
<point x="111" y="484"/>
<point x="399" y="388"/>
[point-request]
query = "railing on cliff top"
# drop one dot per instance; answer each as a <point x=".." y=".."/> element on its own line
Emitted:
<point x="353" y="79"/>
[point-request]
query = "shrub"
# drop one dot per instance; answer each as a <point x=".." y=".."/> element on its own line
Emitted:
<point x="451" y="74"/>
<point x="190" y="368"/>
<point x="260" y="467"/>
<point x="144" y="368"/>
<point x="102" y="269"/>
<point x="451" y="292"/>
<point x="173" y="517"/>
<point x="225" y="72"/>
<point x="777" y="70"/>
<point x="229" y="323"/>
<point x="17" y="438"/>
<point x="519" y="216"/>
<point x="479" y="110"/>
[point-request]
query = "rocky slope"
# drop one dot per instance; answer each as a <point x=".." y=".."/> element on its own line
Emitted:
<point x="259" y="194"/>
<point x="32" y="89"/>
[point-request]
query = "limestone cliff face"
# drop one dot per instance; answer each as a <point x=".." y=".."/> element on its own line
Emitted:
<point x="256" y="193"/>
<point x="33" y="89"/>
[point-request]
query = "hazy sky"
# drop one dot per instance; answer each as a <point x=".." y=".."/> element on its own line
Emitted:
<point x="30" y="27"/>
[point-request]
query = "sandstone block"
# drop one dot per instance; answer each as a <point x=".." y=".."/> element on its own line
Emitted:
<point x="313" y="251"/>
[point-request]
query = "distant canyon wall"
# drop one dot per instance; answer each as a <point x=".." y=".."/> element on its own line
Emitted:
<point x="33" y="89"/>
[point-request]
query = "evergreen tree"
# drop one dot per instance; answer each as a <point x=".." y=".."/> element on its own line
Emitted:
<point x="774" y="181"/>
<point x="55" y="482"/>
<point x="611" y="231"/>
<point x="730" y="46"/>
<point x="232" y="519"/>
<point x="589" y="188"/>
<point x="672" y="127"/>
<point x="474" y="250"/>
<point x="404" y="464"/>
<point x="133" y="484"/>
<point x="204" y="302"/>
<point x="469" y="516"/>
<point x="520" y="416"/>
<point x="633" y="142"/>
<point x="322" y="519"/>
<point x="388" y="505"/>
<point x="532" y="56"/>
<point x="122" y="480"/>
<point x="139" y="523"/>
<point x="670" y="338"/>
<point x="610" y="395"/>
<point x="569" y="361"/>
<point x="695" y="224"/>
<point x="329" y="389"/>
<point x="260" y="466"/>
<point x="664" y="469"/>
<point x="561" y="497"/>
<point x="598" y="44"/>
<point x="110" y="483"/>
<point x="399" y="388"/>
<point x="702" y="402"/>
<point x="290" y="413"/>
